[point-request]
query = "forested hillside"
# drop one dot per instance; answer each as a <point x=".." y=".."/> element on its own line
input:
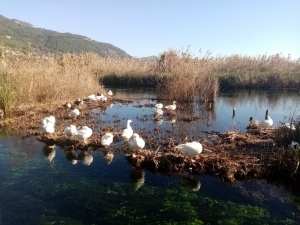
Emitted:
<point x="21" y="36"/>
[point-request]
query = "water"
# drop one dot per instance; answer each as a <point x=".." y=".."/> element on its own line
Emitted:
<point x="36" y="191"/>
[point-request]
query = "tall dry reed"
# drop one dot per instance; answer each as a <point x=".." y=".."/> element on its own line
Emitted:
<point x="185" y="79"/>
<point x="177" y="74"/>
<point x="49" y="78"/>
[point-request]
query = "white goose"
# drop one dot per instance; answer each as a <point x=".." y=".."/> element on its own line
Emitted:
<point x="159" y="105"/>
<point x="47" y="125"/>
<point x="107" y="139"/>
<point x="190" y="149"/>
<point x="268" y="122"/>
<point x="70" y="131"/>
<point x="92" y="97"/>
<point x="110" y="93"/>
<point x="127" y="133"/>
<point x="83" y="133"/>
<point x="136" y="142"/>
<point x="101" y="97"/>
<point x="171" y="107"/>
<point x="74" y="113"/>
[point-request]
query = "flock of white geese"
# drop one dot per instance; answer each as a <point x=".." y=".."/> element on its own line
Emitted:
<point x="82" y="133"/>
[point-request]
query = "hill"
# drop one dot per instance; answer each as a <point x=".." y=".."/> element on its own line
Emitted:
<point x="17" y="35"/>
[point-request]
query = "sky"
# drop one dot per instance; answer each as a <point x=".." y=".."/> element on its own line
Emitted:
<point x="145" y="28"/>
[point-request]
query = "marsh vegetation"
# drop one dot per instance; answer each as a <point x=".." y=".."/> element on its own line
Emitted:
<point x="176" y="74"/>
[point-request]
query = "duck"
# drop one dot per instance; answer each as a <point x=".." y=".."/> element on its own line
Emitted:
<point x="128" y="132"/>
<point x="83" y="133"/>
<point x="136" y="142"/>
<point x="107" y="139"/>
<point x="159" y="106"/>
<point x="74" y="113"/>
<point x="171" y="107"/>
<point x="268" y="122"/>
<point x="47" y="125"/>
<point x="190" y="149"/>
<point x="110" y="93"/>
<point x="78" y="102"/>
<point x="70" y="131"/>
<point x="67" y="105"/>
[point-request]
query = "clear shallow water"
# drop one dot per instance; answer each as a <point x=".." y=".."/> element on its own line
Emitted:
<point x="34" y="191"/>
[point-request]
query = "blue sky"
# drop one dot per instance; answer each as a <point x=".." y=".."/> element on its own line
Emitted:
<point x="149" y="27"/>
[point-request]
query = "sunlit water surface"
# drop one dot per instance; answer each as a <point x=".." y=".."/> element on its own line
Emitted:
<point x="34" y="191"/>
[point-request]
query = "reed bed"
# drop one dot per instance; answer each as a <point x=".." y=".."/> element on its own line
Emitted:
<point x="177" y="75"/>
<point x="28" y="80"/>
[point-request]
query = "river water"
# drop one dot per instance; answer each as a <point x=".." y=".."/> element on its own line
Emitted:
<point x="39" y="186"/>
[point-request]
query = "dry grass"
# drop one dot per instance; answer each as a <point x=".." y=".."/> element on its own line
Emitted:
<point x="26" y="79"/>
<point x="177" y="74"/>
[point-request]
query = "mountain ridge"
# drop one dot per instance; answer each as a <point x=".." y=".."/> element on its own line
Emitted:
<point x="22" y="36"/>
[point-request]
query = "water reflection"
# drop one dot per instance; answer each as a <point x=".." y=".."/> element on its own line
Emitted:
<point x="137" y="178"/>
<point x="109" y="156"/>
<point x="85" y="158"/>
<point x="158" y="120"/>
<point x="190" y="183"/>
<point x="50" y="152"/>
<point x="71" y="156"/>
